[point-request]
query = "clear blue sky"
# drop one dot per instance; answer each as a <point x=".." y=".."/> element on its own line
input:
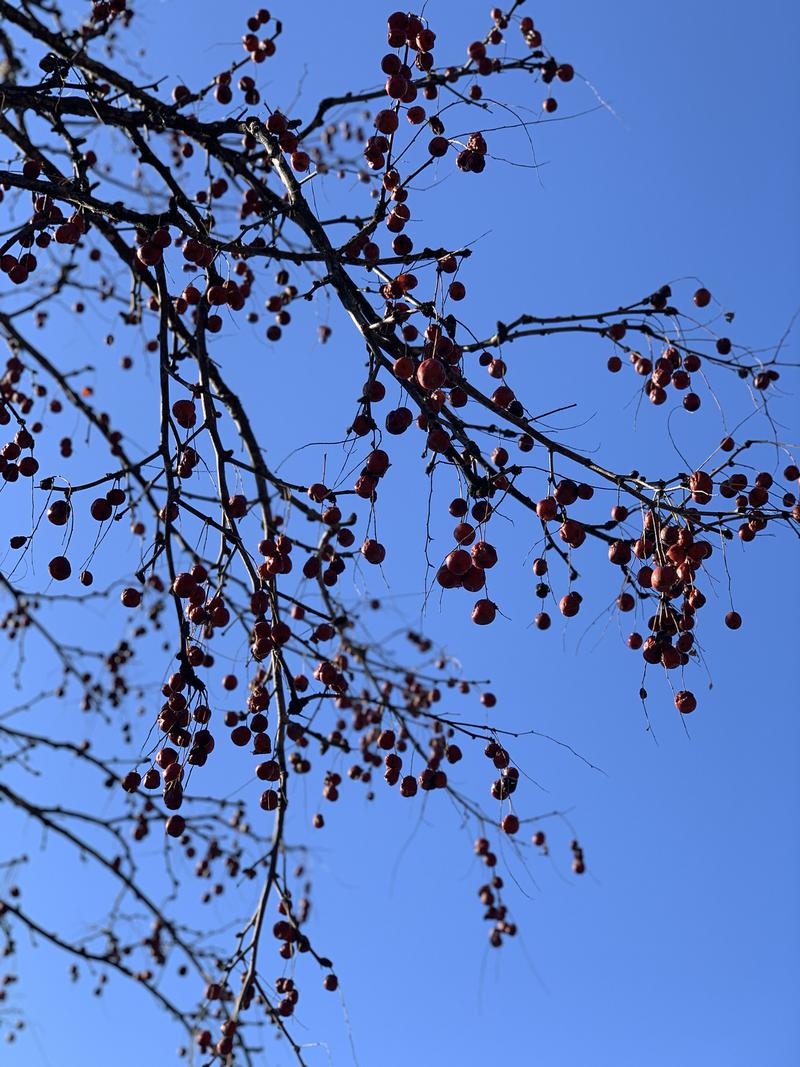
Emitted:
<point x="681" y="944"/>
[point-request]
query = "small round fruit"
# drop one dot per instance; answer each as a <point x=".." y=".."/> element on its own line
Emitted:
<point x="131" y="597"/>
<point x="685" y="702"/>
<point x="60" y="568"/>
<point x="484" y="612"/>
<point x="702" y="298"/>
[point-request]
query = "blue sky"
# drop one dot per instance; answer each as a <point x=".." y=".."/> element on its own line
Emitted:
<point x="680" y="945"/>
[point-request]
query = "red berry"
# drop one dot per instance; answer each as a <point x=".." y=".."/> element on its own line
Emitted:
<point x="685" y="702"/>
<point x="484" y="612"/>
